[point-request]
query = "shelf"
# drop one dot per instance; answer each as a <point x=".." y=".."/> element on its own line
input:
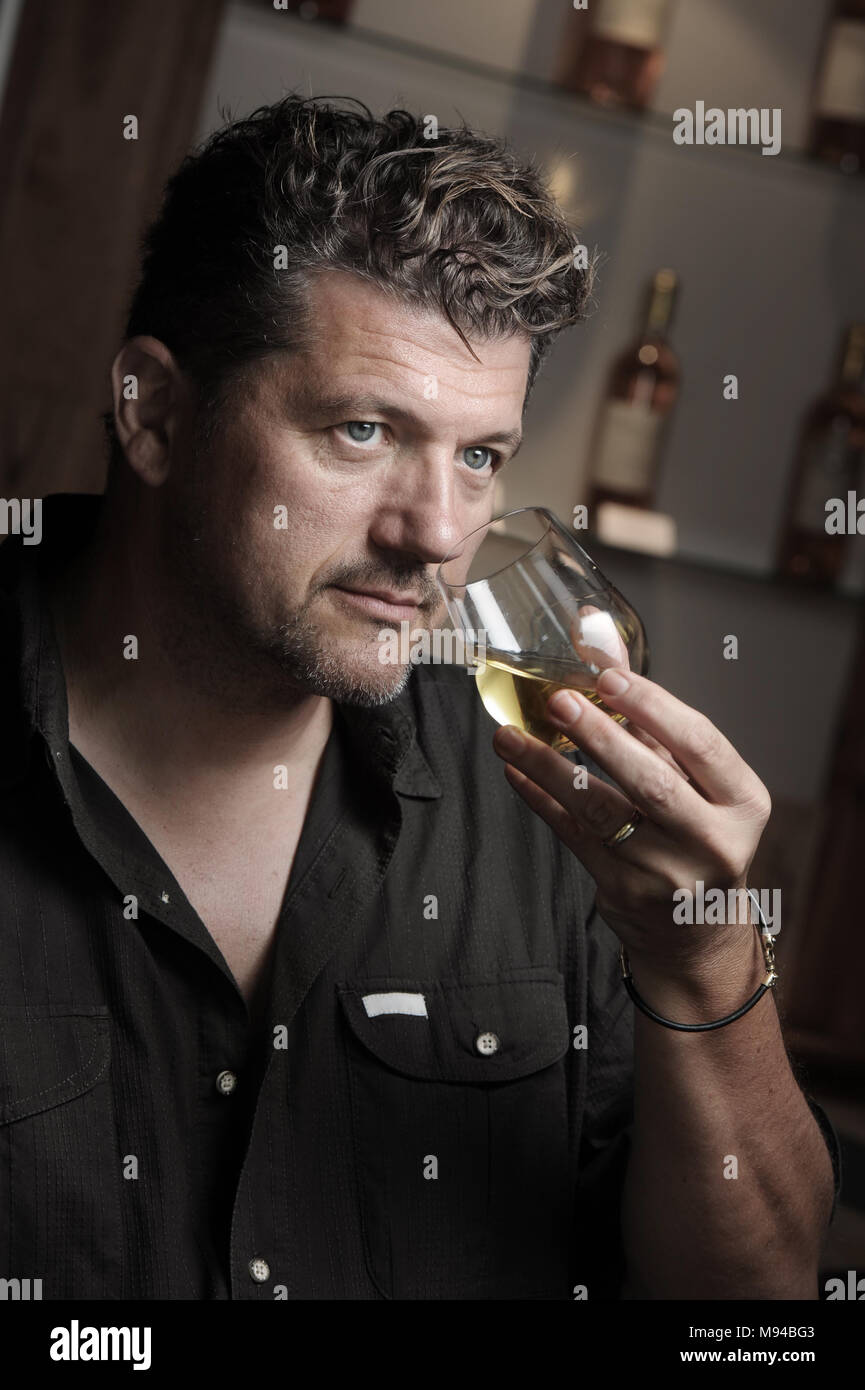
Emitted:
<point x="607" y="556"/>
<point x="693" y="564"/>
<point x="559" y="101"/>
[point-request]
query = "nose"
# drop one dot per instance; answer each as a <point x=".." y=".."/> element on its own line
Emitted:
<point x="418" y="514"/>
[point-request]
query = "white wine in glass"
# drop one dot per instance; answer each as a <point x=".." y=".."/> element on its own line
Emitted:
<point x="515" y="690"/>
<point x="549" y="620"/>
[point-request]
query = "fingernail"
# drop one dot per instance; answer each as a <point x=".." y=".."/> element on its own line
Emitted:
<point x="564" y="707"/>
<point x="612" y="682"/>
<point x="510" y="739"/>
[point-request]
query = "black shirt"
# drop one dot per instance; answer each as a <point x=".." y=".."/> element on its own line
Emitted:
<point x="412" y="1119"/>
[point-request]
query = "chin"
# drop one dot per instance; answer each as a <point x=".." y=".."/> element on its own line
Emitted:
<point x="365" y="687"/>
<point x="341" y="665"/>
<point x="353" y="678"/>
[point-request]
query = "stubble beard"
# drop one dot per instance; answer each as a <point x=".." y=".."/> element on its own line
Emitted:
<point x="215" y="638"/>
<point x="322" y="666"/>
<point x="227" y="653"/>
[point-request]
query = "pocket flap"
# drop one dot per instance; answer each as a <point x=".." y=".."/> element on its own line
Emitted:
<point x="467" y="1030"/>
<point x="49" y="1056"/>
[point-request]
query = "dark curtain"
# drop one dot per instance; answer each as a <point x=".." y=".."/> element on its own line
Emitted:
<point x="76" y="196"/>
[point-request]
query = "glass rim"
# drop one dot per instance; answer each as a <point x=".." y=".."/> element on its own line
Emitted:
<point x="552" y="523"/>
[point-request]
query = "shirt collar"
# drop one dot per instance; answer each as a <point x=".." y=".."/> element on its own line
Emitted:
<point x="384" y="738"/>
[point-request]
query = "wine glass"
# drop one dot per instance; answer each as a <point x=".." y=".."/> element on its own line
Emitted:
<point x="542" y="621"/>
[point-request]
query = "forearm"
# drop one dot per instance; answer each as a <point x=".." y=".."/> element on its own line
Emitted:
<point x="708" y="1106"/>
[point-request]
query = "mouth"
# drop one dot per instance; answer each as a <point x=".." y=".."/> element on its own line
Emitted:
<point x="384" y="604"/>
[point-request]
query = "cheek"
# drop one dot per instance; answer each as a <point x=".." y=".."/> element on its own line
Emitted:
<point x="304" y="533"/>
<point x="329" y="514"/>
<point x="291" y="519"/>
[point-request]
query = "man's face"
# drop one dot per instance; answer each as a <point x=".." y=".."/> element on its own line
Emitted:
<point x="381" y="442"/>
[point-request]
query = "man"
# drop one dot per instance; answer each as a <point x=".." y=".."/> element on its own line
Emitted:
<point x="300" y="998"/>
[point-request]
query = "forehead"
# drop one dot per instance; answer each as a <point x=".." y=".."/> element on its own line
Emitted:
<point x="360" y="331"/>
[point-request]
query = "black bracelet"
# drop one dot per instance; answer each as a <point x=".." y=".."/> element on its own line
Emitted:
<point x="767" y="945"/>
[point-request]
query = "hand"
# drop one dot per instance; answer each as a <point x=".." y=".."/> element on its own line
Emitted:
<point x="704" y="811"/>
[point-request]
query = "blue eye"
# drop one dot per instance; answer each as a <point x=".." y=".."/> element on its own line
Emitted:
<point x="477" y="463"/>
<point x="364" y="430"/>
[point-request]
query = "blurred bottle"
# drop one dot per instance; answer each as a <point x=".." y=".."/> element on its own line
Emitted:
<point x="333" y="11"/>
<point x="839" y="102"/>
<point x="612" y="51"/>
<point x="830" y="462"/>
<point x="642" y="390"/>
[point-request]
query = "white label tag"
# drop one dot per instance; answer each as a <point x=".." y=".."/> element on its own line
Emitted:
<point x="627" y="446"/>
<point x="635" y="22"/>
<point x="395" y="1003"/>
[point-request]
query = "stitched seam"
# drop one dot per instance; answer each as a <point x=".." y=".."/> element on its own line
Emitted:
<point x="430" y="985"/>
<point x="530" y="1064"/>
<point x="9" y="1110"/>
<point x="360" y="1176"/>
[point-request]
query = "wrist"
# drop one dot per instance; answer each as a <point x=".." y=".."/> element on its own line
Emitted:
<point x="705" y="986"/>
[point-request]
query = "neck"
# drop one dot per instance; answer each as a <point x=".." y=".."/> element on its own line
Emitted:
<point x="170" y="716"/>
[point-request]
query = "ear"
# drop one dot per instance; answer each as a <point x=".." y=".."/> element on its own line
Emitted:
<point x="151" y="399"/>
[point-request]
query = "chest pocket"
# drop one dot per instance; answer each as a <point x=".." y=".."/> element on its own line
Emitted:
<point x="59" y="1166"/>
<point x="461" y="1134"/>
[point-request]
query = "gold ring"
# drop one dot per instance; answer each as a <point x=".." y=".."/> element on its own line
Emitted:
<point x="624" y="831"/>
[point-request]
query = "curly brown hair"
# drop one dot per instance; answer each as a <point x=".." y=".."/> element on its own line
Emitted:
<point x="455" y="222"/>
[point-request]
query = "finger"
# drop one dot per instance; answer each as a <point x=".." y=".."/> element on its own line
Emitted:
<point x="600" y="657"/>
<point x="597" y="807"/>
<point x="710" y="760"/>
<point x="636" y="732"/>
<point x="584" y="842"/>
<point x="557" y="818"/>
<point x="645" y="778"/>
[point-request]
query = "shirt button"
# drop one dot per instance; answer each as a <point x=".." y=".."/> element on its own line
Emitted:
<point x="259" y="1269"/>
<point x="226" y="1082"/>
<point x="487" y="1044"/>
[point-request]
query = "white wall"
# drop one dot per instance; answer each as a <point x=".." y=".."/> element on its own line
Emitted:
<point x="729" y="52"/>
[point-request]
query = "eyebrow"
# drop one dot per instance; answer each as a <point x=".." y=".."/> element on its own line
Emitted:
<point x="366" y="407"/>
